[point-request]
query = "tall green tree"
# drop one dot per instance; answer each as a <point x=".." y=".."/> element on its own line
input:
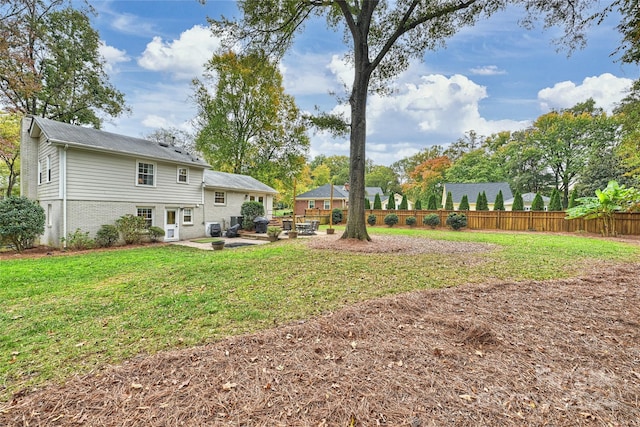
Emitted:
<point x="384" y="37"/>
<point x="250" y="126"/>
<point x="629" y="113"/>
<point x="555" y="204"/>
<point x="538" y="203"/>
<point x="50" y="64"/>
<point x="404" y="203"/>
<point x="476" y="166"/>
<point x="432" y="202"/>
<point x="568" y="138"/>
<point x="391" y="202"/>
<point x="518" y="202"/>
<point x="383" y="177"/>
<point x="338" y="167"/>
<point x="418" y="205"/>
<point x="498" y="204"/>
<point x="9" y="152"/>
<point x="448" y="203"/>
<point x="464" y="203"/>
<point x="377" y="203"/>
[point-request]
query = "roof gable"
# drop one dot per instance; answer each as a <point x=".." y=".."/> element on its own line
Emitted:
<point x="324" y="192"/>
<point x="472" y="190"/>
<point x="97" y="140"/>
<point x="232" y="181"/>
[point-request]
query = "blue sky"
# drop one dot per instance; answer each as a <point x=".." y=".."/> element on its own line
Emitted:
<point x="491" y="77"/>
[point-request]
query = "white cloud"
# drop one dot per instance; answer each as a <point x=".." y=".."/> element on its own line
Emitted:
<point x="113" y="56"/>
<point x="436" y="105"/>
<point x="183" y="58"/>
<point x="308" y="74"/>
<point x="487" y="70"/>
<point x="606" y="89"/>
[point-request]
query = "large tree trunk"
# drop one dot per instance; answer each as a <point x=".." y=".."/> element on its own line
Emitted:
<point x="356" y="225"/>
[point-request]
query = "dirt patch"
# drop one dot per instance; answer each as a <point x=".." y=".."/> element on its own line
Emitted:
<point x="398" y="245"/>
<point x="559" y="353"/>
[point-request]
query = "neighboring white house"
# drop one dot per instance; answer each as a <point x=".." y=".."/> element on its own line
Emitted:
<point x="84" y="178"/>
<point x="527" y="200"/>
<point x="472" y="190"/>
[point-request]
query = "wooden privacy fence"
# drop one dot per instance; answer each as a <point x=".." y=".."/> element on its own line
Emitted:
<point x="626" y="223"/>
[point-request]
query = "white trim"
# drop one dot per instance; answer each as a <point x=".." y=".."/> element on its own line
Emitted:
<point x="183" y="220"/>
<point x="155" y="173"/>
<point x="178" y="174"/>
<point x="224" y="194"/>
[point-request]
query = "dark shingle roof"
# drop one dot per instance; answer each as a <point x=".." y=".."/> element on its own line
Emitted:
<point x="324" y="192"/>
<point x="93" y="139"/>
<point x="232" y="181"/>
<point x="472" y="190"/>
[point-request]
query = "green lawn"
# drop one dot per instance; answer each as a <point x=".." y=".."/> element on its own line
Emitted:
<point x="70" y="314"/>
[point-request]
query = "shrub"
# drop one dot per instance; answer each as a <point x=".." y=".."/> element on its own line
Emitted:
<point x="456" y="221"/>
<point x="432" y="203"/>
<point x="411" y="221"/>
<point x="404" y="204"/>
<point x="538" y="203"/>
<point x="498" y="205"/>
<point x="518" y="202"/>
<point x="448" y="204"/>
<point x="273" y="231"/>
<point x="336" y="215"/>
<point x="418" y="205"/>
<point x="155" y="233"/>
<point x="432" y="220"/>
<point x="367" y="203"/>
<point x="79" y="240"/>
<point x="377" y="203"/>
<point x="131" y="227"/>
<point x="21" y="221"/>
<point x="371" y="220"/>
<point x="464" y="203"/>
<point x="391" y="202"/>
<point x="482" y="203"/>
<point x="107" y="236"/>
<point x="555" y="204"/>
<point x="573" y="202"/>
<point x="391" y="219"/>
<point x="250" y="211"/>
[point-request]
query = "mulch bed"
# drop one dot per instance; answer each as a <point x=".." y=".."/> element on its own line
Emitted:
<point x="556" y="353"/>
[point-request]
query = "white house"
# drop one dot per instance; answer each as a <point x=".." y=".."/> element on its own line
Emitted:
<point x="84" y="178"/>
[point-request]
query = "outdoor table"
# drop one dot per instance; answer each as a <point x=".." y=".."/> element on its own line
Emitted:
<point x="304" y="227"/>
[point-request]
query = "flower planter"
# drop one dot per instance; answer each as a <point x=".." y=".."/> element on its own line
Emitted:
<point x="331" y="230"/>
<point x="293" y="234"/>
<point x="217" y="245"/>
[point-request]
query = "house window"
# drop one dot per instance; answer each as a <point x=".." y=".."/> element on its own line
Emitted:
<point x="312" y="204"/>
<point x="146" y="174"/>
<point x="183" y="175"/>
<point x="261" y="199"/>
<point x="219" y="198"/>
<point x="48" y="168"/>
<point x="187" y="216"/>
<point x="147" y="214"/>
<point x="39" y="171"/>
<point x="327" y="204"/>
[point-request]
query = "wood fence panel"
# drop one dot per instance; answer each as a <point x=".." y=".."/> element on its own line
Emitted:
<point x="626" y="223"/>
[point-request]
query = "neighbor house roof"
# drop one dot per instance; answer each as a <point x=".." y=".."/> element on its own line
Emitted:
<point x="237" y="182"/>
<point x="339" y="192"/>
<point x="93" y="139"/>
<point x="527" y="198"/>
<point x="472" y="190"/>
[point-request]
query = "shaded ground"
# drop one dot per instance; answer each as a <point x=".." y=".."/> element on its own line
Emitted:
<point x="558" y="353"/>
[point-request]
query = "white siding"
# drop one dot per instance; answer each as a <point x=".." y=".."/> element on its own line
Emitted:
<point x="94" y="176"/>
<point x="49" y="190"/>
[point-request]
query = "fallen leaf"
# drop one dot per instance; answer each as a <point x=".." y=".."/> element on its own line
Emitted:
<point x="229" y="386"/>
<point x="137" y="386"/>
<point x="467" y="397"/>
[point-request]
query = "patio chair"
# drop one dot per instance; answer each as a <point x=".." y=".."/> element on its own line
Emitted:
<point x="314" y="226"/>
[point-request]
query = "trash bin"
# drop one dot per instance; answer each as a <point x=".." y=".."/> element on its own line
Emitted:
<point x="260" y="224"/>
<point x="215" y="230"/>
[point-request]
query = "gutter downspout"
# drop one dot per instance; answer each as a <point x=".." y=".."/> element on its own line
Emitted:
<point x="63" y="178"/>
